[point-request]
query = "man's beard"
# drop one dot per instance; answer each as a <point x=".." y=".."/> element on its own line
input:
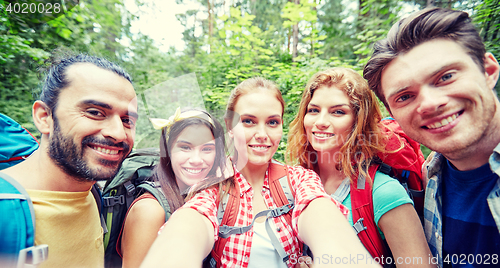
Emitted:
<point x="70" y="158"/>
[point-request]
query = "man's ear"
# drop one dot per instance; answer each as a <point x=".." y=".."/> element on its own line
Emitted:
<point x="491" y="69"/>
<point x="42" y="117"/>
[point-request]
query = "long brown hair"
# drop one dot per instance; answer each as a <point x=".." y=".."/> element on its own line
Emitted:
<point x="163" y="172"/>
<point x="365" y="139"/>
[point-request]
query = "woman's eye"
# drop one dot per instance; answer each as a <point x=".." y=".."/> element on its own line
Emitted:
<point x="273" y="123"/>
<point x="338" y="112"/>
<point x="312" y="110"/>
<point x="208" y="149"/>
<point x="247" y="121"/>
<point x="184" y="147"/>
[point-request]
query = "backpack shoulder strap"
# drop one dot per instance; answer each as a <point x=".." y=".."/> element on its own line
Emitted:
<point x="363" y="214"/>
<point x="280" y="187"/>
<point x="279" y="184"/>
<point x="230" y="201"/>
<point x="96" y="192"/>
<point x="158" y="194"/>
<point x="18" y="230"/>
<point x="119" y="193"/>
<point x="283" y="196"/>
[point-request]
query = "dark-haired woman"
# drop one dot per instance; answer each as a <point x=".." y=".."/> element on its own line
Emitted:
<point x="192" y="149"/>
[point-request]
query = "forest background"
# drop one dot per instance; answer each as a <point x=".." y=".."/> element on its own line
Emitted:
<point x="226" y="41"/>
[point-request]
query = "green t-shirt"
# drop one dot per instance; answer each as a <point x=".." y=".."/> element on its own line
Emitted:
<point x="388" y="193"/>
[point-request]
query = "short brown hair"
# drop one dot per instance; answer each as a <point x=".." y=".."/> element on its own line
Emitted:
<point x="422" y="26"/>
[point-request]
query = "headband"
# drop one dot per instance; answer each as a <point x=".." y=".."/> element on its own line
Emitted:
<point x="159" y="123"/>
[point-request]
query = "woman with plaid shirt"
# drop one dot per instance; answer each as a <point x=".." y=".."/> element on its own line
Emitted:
<point x="254" y="119"/>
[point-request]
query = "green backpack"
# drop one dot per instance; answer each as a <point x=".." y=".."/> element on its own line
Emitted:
<point x="131" y="181"/>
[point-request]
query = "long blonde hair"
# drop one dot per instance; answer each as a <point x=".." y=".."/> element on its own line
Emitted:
<point x="357" y="152"/>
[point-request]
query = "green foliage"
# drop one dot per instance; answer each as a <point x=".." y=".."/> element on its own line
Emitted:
<point x="295" y="13"/>
<point x="17" y="56"/>
<point x="27" y="41"/>
<point x="426" y="151"/>
<point x="249" y="38"/>
<point x="487" y="17"/>
<point x="305" y="15"/>
<point x="375" y="18"/>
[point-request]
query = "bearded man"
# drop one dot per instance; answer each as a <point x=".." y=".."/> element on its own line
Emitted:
<point x="86" y="116"/>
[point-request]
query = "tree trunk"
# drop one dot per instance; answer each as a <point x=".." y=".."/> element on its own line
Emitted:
<point x="288" y="43"/>
<point x="361" y="2"/>
<point x="312" y="35"/>
<point x="295" y="41"/>
<point x="210" y="25"/>
<point x="295" y="52"/>
<point x="312" y="46"/>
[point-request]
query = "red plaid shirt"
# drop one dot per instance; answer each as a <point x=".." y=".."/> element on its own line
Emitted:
<point x="307" y="187"/>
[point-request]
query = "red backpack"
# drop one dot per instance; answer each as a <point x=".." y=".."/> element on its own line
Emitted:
<point x="402" y="163"/>
<point x="405" y="165"/>
<point x="281" y="193"/>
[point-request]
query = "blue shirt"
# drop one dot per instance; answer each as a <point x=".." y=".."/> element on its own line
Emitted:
<point x="469" y="231"/>
<point x="433" y="207"/>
